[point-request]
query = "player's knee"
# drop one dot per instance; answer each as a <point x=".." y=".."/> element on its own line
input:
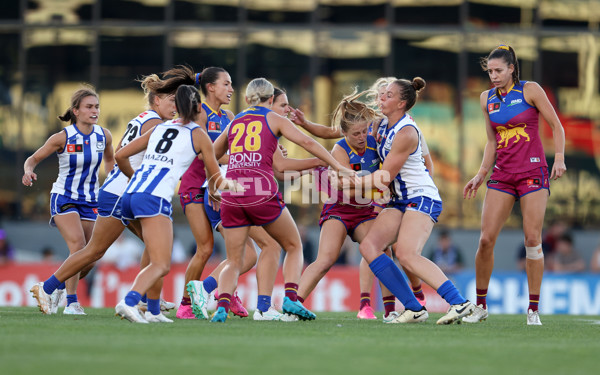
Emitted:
<point x="404" y="257"/>
<point x="532" y="240"/>
<point x="271" y="245"/>
<point x="368" y="250"/>
<point x="292" y="247"/>
<point x="534" y="252"/>
<point x="486" y="242"/>
<point x="203" y="252"/>
<point x="323" y="265"/>
<point x="163" y="268"/>
<point x="75" y="246"/>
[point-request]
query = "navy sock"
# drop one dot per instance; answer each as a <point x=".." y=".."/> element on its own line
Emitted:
<point x="153" y="306"/>
<point x="145" y="299"/>
<point x="51" y="284"/>
<point x="132" y="298"/>
<point x="61" y="286"/>
<point x="449" y="292"/>
<point x="71" y="298"/>
<point x="390" y="275"/>
<point x="264" y="302"/>
<point x="210" y="284"/>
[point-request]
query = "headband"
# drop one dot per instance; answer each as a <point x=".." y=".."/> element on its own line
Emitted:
<point x="198" y="75"/>
<point x="503" y="46"/>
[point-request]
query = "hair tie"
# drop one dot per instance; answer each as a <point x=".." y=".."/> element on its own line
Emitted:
<point x="198" y="75"/>
<point x="503" y="46"/>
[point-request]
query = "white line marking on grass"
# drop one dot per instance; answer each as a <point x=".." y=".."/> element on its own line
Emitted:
<point x="590" y="321"/>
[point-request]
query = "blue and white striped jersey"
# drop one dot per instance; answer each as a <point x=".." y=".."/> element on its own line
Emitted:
<point x="169" y="153"/>
<point x="116" y="181"/>
<point x="413" y="180"/>
<point x="78" y="164"/>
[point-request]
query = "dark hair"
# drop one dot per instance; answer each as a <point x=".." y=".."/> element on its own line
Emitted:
<point x="76" y="99"/>
<point x="444" y="233"/>
<point x="154" y="86"/>
<point x="209" y="75"/>
<point x="506" y="53"/>
<point x="409" y="90"/>
<point x="277" y="92"/>
<point x="567" y="237"/>
<point x="187" y="99"/>
<point x="351" y="111"/>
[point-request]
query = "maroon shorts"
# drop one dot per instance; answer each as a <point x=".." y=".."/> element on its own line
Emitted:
<point x="241" y="212"/>
<point x="519" y="184"/>
<point x="195" y="195"/>
<point x="350" y="216"/>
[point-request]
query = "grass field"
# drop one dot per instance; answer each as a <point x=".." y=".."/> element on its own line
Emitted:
<point x="336" y="343"/>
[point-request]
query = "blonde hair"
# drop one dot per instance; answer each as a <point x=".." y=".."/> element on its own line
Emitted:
<point x="259" y="90"/>
<point x="154" y="86"/>
<point x="149" y="84"/>
<point x="372" y="93"/>
<point x="351" y="111"/>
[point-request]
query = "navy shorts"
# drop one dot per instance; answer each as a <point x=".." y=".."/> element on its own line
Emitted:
<point x="61" y="205"/>
<point x="213" y="216"/>
<point x="109" y="205"/>
<point x="426" y="205"/>
<point x="140" y="205"/>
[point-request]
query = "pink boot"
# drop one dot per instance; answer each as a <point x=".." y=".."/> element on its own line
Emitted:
<point x="185" y="312"/>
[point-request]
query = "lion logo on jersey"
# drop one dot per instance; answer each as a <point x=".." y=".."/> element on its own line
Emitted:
<point x="512" y="131"/>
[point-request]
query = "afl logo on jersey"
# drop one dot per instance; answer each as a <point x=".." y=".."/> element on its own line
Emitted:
<point x="493" y="108"/>
<point x="99" y="146"/>
<point x="214" y="126"/>
<point x="74" y="148"/>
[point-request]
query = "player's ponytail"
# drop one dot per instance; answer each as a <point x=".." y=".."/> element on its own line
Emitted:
<point x="76" y="99"/>
<point x="154" y="86"/>
<point x="516" y="73"/>
<point x="187" y="99"/>
<point x="149" y="84"/>
<point x="351" y="111"/>
<point x="409" y="90"/>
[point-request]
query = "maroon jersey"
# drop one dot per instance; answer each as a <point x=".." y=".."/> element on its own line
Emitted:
<point x="516" y="124"/>
<point x="251" y="148"/>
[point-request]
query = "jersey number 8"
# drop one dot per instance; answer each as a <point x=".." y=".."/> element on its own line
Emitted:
<point x="164" y="145"/>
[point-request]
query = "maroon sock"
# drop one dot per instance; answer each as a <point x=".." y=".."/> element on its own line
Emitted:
<point x="365" y="300"/>
<point x="389" y="304"/>
<point x="224" y="301"/>
<point x="534" y="300"/>
<point x="186" y="301"/>
<point x="481" y="296"/>
<point x="300" y="299"/>
<point x="291" y="291"/>
<point x="418" y="292"/>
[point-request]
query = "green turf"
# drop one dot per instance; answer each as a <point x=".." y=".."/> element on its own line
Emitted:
<point x="336" y="343"/>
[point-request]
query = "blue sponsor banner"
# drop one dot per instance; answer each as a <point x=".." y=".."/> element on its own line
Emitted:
<point x="576" y="294"/>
